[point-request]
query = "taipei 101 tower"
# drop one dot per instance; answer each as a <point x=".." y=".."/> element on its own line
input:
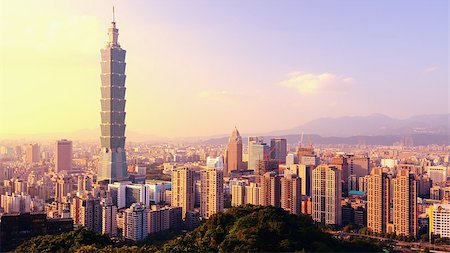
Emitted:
<point x="112" y="164"/>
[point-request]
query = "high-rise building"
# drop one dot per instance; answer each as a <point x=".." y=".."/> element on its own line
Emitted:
<point x="87" y="211"/>
<point x="437" y="174"/>
<point x="291" y="158"/>
<point x="270" y="192"/>
<point x="164" y="218"/>
<point x="279" y="147"/>
<point x="33" y="154"/>
<point x="257" y="151"/>
<point x="135" y="222"/>
<point x="326" y="195"/>
<point x="291" y="194"/>
<point x="379" y="199"/>
<point x="63" y="159"/>
<point x="263" y="166"/>
<point x="112" y="164"/>
<point x="63" y="187"/>
<point x="109" y="221"/>
<point x="237" y="192"/>
<point x="405" y="204"/>
<point x="252" y="193"/>
<point x="304" y="172"/>
<point x="234" y="153"/>
<point x="211" y="196"/>
<point x="183" y="189"/>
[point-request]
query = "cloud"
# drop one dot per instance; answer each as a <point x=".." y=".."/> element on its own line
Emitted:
<point x="430" y="69"/>
<point x="309" y="83"/>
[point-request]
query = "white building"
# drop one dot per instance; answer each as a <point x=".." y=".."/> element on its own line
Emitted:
<point x="109" y="218"/>
<point x="440" y="220"/>
<point x="135" y="222"/>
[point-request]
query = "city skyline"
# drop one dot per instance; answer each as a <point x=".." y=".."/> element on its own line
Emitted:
<point x="300" y="48"/>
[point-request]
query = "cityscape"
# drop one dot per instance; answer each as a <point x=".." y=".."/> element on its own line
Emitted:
<point x="316" y="166"/>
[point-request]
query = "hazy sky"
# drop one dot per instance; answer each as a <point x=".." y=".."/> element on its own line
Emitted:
<point x="198" y="68"/>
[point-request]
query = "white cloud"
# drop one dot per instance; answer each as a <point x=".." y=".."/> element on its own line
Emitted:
<point x="309" y="83"/>
<point x="430" y="69"/>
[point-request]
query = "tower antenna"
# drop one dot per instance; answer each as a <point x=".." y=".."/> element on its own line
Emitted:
<point x="114" y="17"/>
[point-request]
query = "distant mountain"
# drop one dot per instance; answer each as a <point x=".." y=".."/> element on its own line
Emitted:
<point x="375" y="124"/>
<point x="415" y="139"/>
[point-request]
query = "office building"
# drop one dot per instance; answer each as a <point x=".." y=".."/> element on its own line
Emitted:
<point x="215" y="162"/>
<point x="326" y="195"/>
<point x="32" y="153"/>
<point x="211" y="196"/>
<point x="112" y="164"/>
<point x="135" y="222"/>
<point x="304" y="173"/>
<point x="437" y="174"/>
<point x="291" y="159"/>
<point x="257" y="151"/>
<point x="183" y="189"/>
<point x="439" y="223"/>
<point x="279" y="149"/>
<point x="234" y="153"/>
<point x="263" y="166"/>
<point x="63" y="158"/>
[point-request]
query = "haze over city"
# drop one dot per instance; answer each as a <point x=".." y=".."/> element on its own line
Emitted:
<point x="224" y="126"/>
<point x="199" y="68"/>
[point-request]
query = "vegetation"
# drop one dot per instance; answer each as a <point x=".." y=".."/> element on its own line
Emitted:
<point x="240" y="229"/>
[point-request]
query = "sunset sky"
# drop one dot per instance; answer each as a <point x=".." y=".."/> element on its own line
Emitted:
<point x="197" y="68"/>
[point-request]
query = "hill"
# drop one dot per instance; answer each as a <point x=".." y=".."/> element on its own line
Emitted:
<point x="240" y="229"/>
<point x="374" y="124"/>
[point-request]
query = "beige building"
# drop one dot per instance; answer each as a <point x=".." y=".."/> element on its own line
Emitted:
<point x="252" y="193"/>
<point x="405" y="204"/>
<point x="183" y="189"/>
<point x="238" y="193"/>
<point x="327" y="195"/>
<point x="211" y="195"/>
<point x="32" y="153"/>
<point x="379" y="197"/>
<point x="291" y="194"/>
<point x="270" y="193"/>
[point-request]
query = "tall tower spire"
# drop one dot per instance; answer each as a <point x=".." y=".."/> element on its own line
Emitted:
<point x="112" y="165"/>
<point x="114" y="17"/>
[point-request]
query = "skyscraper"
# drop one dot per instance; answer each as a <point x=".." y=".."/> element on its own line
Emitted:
<point x="378" y="200"/>
<point x="109" y="213"/>
<point x="279" y="146"/>
<point x="291" y="193"/>
<point x="112" y="165"/>
<point x="63" y="159"/>
<point x="135" y="222"/>
<point x="234" y="153"/>
<point x="183" y="189"/>
<point x="270" y="192"/>
<point x="32" y="153"/>
<point x="326" y="195"/>
<point x="257" y="151"/>
<point x="405" y="204"/>
<point x="211" y="196"/>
